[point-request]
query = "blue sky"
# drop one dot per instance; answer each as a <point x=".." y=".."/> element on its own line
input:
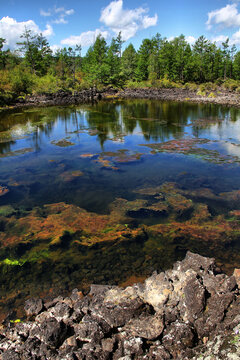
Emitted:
<point x="66" y="23"/>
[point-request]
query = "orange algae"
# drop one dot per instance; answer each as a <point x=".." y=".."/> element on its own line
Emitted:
<point x="3" y="190"/>
<point x="86" y="156"/>
<point x="61" y="218"/>
<point x="58" y="235"/>
<point x="68" y="176"/>
<point x="106" y="163"/>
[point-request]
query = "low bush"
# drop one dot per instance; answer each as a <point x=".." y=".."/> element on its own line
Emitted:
<point x="201" y="93"/>
<point x="212" y="95"/>
<point x="46" y="84"/>
<point x="231" y="84"/>
<point x="190" y="86"/>
<point x="21" y="80"/>
<point x="209" y="86"/>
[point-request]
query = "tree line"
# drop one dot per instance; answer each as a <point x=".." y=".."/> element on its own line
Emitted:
<point x="35" y="66"/>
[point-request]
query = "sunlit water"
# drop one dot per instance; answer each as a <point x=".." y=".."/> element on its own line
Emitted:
<point x="71" y="155"/>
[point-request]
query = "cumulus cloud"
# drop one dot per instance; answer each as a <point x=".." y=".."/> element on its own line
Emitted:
<point x="55" y="48"/>
<point x="45" y="13"/>
<point x="235" y="39"/>
<point x="190" y="39"/>
<point x="126" y="21"/>
<point x="219" y="39"/>
<point x="60" y="12"/>
<point x="85" y="39"/>
<point x="60" y="20"/>
<point x="48" y="31"/>
<point x="225" y="17"/>
<point x="116" y="19"/>
<point x="10" y="29"/>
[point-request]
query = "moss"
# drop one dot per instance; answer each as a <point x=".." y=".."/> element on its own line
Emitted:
<point x="15" y="321"/>
<point x="211" y="95"/>
<point x="11" y="262"/>
<point x="201" y="93"/>
<point x="6" y="210"/>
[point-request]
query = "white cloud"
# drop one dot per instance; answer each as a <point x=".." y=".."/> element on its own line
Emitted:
<point x="45" y="13"/>
<point x="190" y="39"/>
<point x="55" y="48"/>
<point x="126" y="21"/>
<point x="85" y="39"/>
<point x="61" y="12"/>
<point x="11" y="30"/>
<point x="48" y="31"/>
<point x="225" y="17"/>
<point x="69" y="12"/>
<point x="235" y="38"/>
<point x="219" y="39"/>
<point x="60" y="20"/>
<point x="149" y="21"/>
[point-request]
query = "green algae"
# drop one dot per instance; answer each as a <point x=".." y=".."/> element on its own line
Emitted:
<point x="17" y="152"/>
<point x="7" y="210"/>
<point x="193" y="147"/>
<point x="62" y="143"/>
<point x="11" y="262"/>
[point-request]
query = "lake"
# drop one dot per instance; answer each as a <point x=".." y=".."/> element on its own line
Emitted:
<point x="110" y="192"/>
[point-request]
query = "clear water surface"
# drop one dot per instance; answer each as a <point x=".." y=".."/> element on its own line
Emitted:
<point x="91" y="155"/>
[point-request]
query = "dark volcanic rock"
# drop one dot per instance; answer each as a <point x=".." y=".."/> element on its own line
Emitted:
<point x="194" y="294"/>
<point x="33" y="307"/>
<point x="177" y="314"/>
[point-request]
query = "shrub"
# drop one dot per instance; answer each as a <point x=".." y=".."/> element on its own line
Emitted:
<point x="231" y="84"/>
<point x="219" y="82"/>
<point x="21" y="80"/>
<point x="201" y="93"/>
<point x="46" y="84"/>
<point x="190" y="86"/>
<point x="212" y="95"/>
<point x="209" y="86"/>
<point x="5" y="85"/>
<point x="138" y="85"/>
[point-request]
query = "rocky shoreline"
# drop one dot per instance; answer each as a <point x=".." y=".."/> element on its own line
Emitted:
<point x="189" y="312"/>
<point x="223" y="97"/>
<point x="227" y="98"/>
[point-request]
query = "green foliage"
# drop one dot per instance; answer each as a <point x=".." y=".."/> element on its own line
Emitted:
<point x="191" y="86"/>
<point x="143" y="59"/>
<point x="201" y="93"/>
<point x="231" y="84"/>
<point x="167" y="84"/>
<point x="47" y="84"/>
<point x="129" y="63"/>
<point x="138" y="84"/>
<point x="37" y="52"/>
<point x="159" y="63"/>
<point x="212" y="95"/>
<point x="209" y="86"/>
<point x="21" y="80"/>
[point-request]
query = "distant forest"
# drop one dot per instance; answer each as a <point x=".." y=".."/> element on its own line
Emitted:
<point x="160" y="62"/>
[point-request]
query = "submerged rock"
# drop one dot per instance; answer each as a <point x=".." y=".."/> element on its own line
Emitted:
<point x="191" y="311"/>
